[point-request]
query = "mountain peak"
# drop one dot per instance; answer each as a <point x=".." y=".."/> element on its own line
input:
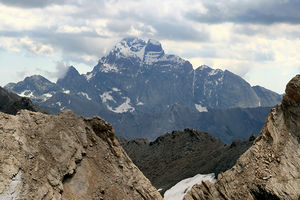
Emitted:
<point x="35" y="78"/>
<point x="134" y="43"/>
<point x="154" y="42"/>
<point x="136" y="47"/>
<point x="292" y="91"/>
<point x="154" y="46"/>
<point x="72" y="71"/>
<point x="129" y="47"/>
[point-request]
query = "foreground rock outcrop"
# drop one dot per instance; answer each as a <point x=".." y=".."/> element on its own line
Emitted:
<point x="270" y="168"/>
<point x="175" y="156"/>
<point x="65" y="157"/>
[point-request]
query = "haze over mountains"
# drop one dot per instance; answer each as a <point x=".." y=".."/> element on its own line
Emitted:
<point x="138" y="80"/>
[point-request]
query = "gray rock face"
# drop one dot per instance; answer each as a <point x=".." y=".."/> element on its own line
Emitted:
<point x="65" y="157"/>
<point x="266" y="96"/>
<point x="182" y="154"/>
<point x="270" y="168"/>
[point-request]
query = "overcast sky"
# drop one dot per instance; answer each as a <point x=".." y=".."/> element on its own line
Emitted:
<point x="256" y="39"/>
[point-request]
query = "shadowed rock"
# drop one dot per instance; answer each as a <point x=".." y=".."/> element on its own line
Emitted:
<point x="175" y="156"/>
<point x="11" y="103"/>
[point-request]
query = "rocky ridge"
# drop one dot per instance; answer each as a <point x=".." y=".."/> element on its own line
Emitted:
<point x="65" y="157"/>
<point x="270" y="168"/>
<point x="175" y="156"/>
<point x="11" y="103"/>
<point x="227" y="125"/>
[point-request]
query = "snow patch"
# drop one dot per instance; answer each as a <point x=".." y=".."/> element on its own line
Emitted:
<point x="200" y="108"/>
<point x="171" y="61"/>
<point x="202" y="67"/>
<point x="108" y="68"/>
<point x="88" y="76"/>
<point x="66" y="91"/>
<point x="48" y="95"/>
<point x="135" y="49"/>
<point x="85" y="95"/>
<point x="116" y="89"/>
<point x="14" y="188"/>
<point x="26" y="93"/>
<point x="140" y="54"/>
<point x="106" y="96"/>
<point x="124" y="107"/>
<point x="221" y="78"/>
<point x="140" y="103"/>
<point x="178" y="191"/>
<point x="152" y="57"/>
<point x="58" y="103"/>
<point x="214" y="72"/>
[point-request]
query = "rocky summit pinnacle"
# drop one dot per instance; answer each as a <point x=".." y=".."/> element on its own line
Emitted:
<point x="66" y="157"/>
<point x="270" y="168"/>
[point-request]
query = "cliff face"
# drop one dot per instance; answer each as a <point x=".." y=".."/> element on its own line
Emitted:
<point x="65" y="157"/>
<point x="270" y="168"/>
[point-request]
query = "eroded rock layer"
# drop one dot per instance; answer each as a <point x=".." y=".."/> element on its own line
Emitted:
<point x="270" y="168"/>
<point x="65" y="157"/>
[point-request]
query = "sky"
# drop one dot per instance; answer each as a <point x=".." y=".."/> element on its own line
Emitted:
<point x="256" y="39"/>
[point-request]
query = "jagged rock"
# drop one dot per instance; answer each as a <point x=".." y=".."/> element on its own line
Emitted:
<point x="175" y="156"/>
<point x="270" y="168"/>
<point x="65" y="157"/>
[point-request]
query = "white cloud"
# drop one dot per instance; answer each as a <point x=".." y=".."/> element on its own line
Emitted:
<point x="25" y="44"/>
<point x="225" y="37"/>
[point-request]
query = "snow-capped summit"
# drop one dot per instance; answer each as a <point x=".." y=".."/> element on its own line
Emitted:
<point x="146" y="52"/>
<point x="129" y="47"/>
<point x="153" y="46"/>
<point x="135" y="53"/>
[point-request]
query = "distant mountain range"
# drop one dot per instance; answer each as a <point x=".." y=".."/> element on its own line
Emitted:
<point x="175" y="156"/>
<point x="136" y="79"/>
